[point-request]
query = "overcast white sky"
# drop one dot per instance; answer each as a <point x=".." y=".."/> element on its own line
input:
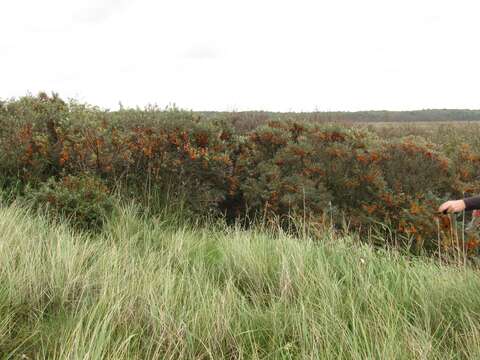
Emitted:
<point x="277" y="55"/>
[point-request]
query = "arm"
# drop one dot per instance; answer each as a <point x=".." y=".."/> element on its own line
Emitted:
<point x="472" y="203"/>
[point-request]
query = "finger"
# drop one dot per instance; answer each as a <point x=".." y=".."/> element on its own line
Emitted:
<point x="447" y="209"/>
<point x="443" y="207"/>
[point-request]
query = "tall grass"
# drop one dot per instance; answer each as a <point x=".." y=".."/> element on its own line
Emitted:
<point x="145" y="289"/>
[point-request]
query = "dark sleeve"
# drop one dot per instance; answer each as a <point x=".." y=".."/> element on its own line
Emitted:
<point x="472" y="203"/>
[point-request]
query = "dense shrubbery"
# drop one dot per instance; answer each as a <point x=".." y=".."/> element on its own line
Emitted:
<point x="280" y="169"/>
<point x="84" y="200"/>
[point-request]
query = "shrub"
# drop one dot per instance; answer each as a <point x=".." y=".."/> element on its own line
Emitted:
<point x="84" y="200"/>
<point x="412" y="165"/>
<point x="466" y="166"/>
<point x="312" y="169"/>
<point x="418" y="179"/>
<point x="193" y="162"/>
<point x="269" y="168"/>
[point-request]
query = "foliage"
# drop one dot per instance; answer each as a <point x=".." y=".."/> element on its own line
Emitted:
<point x="84" y="200"/>
<point x="355" y="175"/>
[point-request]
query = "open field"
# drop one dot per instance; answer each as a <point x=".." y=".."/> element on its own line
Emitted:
<point x="145" y="289"/>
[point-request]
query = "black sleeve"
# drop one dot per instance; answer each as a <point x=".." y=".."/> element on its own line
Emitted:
<point x="472" y="203"/>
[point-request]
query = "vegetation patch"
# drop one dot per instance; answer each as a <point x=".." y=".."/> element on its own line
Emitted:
<point x="281" y="170"/>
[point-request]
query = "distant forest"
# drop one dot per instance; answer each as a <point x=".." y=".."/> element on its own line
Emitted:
<point x="249" y="119"/>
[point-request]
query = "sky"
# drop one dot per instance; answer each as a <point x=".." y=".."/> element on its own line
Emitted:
<point x="299" y="55"/>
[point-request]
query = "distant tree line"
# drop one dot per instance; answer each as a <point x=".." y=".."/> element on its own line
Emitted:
<point x="248" y="120"/>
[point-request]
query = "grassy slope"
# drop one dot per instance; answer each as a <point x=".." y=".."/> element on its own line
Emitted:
<point x="149" y="290"/>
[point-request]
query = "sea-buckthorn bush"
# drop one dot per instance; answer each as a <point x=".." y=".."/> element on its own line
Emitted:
<point x="466" y="166"/>
<point x="33" y="131"/>
<point x="418" y="179"/>
<point x="348" y="162"/>
<point x="412" y="165"/>
<point x="182" y="154"/>
<point x="192" y="161"/>
<point x="312" y="169"/>
<point x="84" y="200"/>
<point x="286" y="168"/>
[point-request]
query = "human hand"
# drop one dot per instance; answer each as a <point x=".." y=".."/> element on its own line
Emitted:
<point x="452" y="206"/>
